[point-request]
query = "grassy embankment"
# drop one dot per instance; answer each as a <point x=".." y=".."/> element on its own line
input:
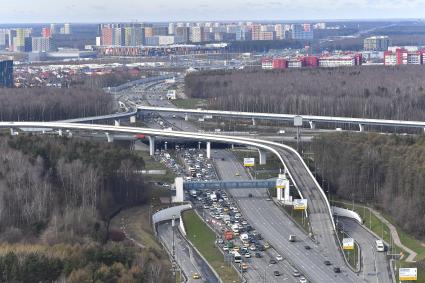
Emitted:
<point x="203" y="238"/>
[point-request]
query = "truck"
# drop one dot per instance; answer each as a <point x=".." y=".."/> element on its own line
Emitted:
<point x="228" y="235"/>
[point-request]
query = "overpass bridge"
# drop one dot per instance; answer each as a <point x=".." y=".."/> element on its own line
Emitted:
<point x="312" y="120"/>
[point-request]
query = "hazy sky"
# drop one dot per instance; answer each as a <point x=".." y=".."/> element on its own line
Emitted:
<point x="44" y="11"/>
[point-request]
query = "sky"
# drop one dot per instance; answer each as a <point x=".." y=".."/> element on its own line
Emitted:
<point x="60" y="11"/>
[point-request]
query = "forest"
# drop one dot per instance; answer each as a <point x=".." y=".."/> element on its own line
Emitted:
<point x="57" y="196"/>
<point x="50" y="104"/>
<point x="387" y="171"/>
<point x="373" y="91"/>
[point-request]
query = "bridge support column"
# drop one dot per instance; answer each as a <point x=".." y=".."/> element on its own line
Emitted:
<point x="312" y="125"/>
<point x="178" y="184"/>
<point x="361" y="127"/>
<point x="117" y="123"/>
<point x="109" y="137"/>
<point x="133" y="119"/>
<point x="208" y="150"/>
<point x="263" y="156"/>
<point x="186" y="117"/>
<point x="151" y="145"/>
<point x="166" y="145"/>
<point x="199" y="145"/>
<point x="253" y="122"/>
<point x="12" y="132"/>
<point x="60" y="133"/>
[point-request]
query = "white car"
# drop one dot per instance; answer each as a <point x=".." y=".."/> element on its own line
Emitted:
<point x="247" y="255"/>
<point x="303" y="280"/>
<point x="279" y="258"/>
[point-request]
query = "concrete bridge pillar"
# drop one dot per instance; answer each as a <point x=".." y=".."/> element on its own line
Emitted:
<point x="60" y="133"/>
<point x="186" y="117"/>
<point x="263" y="156"/>
<point x="166" y="145"/>
<point x="208" y="150"/>
<point x="117" y="123"/>
<point x="12" y="132"/>
<point x="151" y="145"/>
<point x="361" y="127"/>
<point x="312" y="125"/>
<point x="178" y="184"/>
<point x="253" y="122"/>
<point x="109" y="137"/>
<point x="133" y="119"/>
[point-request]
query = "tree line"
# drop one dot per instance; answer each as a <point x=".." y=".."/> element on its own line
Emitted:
<point x="50" y="104"/>
<point x="386" y="171"/>
<point x="373" y="91"/>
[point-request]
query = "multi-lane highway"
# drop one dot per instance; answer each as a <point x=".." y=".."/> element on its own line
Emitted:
<point x="276" y="227"/>
<point x="187" y="258"/>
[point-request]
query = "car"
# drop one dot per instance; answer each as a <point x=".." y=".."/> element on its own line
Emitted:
<point x="303" y="280"/>
<point x="279" y="258"/>
<point x="196" y="276"/>
<point x="244" y="266"/>
<point x="248" y="255"/>
<point x="337" y="270"/>
<point x="252" y="247"/>
<point x="258" y="255"/>
<point x="250" y="195"/>
<point x="327" y="262"/>
<point x="268" y="199"/>
<point x="266" y="245"/>
<point x="220" y="241"/>
<point x="272" y="261"/>
<point x="296" y="273"/>
<point x="276" y="273"/>
<point x="237" y="174"/>
<point x="307" y="247"/>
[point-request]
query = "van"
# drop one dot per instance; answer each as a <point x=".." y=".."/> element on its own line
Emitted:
<point x="292" y="238"/>
<point x="380" y="247"/>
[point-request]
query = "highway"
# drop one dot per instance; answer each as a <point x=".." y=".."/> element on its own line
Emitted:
<point x="187" y="258"/>
<point x="375" y="264"/>
<point x="276" y="227"/>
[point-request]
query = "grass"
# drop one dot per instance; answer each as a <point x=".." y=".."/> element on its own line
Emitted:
<point x="152" y="164"/>
<point x="273" y="162"/>
<point x="351" y="256"/>
<point x="203" y="238"/>
<point x="189" y="103"/>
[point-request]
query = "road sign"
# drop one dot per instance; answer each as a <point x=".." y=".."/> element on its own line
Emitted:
<point x="280" y="183"/>
<point x="299" y="204"/>
<point x="348" y="244"/>
<point x="408" y="274"/>
<point x="248" y="162"/>
<point x="298" y="121"/>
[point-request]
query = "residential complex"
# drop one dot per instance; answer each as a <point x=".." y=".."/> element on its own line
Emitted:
<point x="324" y="61"/>
<point x="376" y="43"/>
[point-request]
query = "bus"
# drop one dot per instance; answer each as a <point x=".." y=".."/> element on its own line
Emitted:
<point x="237" y="257"/>
<point x="380" y="247"/>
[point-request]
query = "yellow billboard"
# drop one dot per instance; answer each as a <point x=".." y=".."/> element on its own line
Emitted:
<point x="348" y="244"/>
<point x="248" y="162"/>
<point x="299" y="204"/>
<point x="408" y="274"/>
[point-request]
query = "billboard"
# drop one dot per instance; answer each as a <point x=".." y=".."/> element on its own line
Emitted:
<point x="280" y="183"/>
<point x="407" y="274"/>
<point x="348" y="244"/>
<point x="300" y="204"/>
<point x="248" y="162"/>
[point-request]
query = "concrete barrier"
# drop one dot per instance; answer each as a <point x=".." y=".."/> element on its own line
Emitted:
<point x="338" y="211"/>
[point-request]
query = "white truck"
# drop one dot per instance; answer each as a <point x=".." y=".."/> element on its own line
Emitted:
<point x="213" y="196"/>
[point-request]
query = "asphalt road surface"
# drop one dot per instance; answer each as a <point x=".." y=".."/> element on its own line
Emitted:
<point x="276" y="227"/>
<point x="187" y="258"/>
<point x="375" y="264"/>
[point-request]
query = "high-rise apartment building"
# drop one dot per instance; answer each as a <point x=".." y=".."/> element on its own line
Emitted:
<point x="118" y="36"/>
<point x="376" y="43"/>
<point x="6" y="73"/>
<point x="197" y="34"/>
<point x="183" y="33"/>
<point x="41" y="44"/>
<point x="302" y="32"/>
<point x="255" y="32"/>
<point x="67" y="29"/>
<point x="53" y="29"/>
<point x="46" y="32"/>
<point x="148" y="31"/>
<point x="3" y="39"/>
<point x="107" y="34"/>
<point x="171" y="28"/>
<point x="19" y="40"/>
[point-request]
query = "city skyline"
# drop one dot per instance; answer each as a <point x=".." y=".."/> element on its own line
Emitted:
<point x="26" y="11"/>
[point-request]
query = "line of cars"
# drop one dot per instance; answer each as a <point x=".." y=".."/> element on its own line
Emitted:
<point x="238" y="239"/>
